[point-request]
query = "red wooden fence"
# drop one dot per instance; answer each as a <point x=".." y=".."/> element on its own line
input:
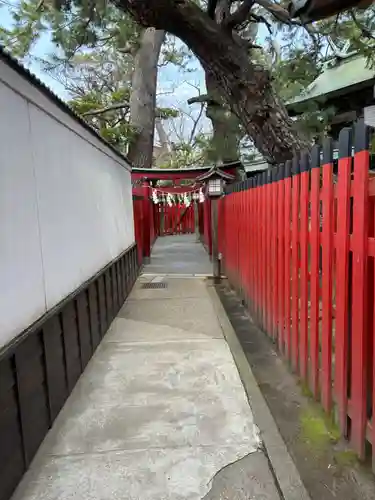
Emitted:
<point x="153" y="220"/>
<point x="300" y="248"/>
<point x="174" y="219"/>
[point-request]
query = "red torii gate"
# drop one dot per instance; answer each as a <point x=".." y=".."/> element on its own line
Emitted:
<point x="145" y="220"/>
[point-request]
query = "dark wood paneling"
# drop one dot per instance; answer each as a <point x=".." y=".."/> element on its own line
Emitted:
<point x="122" y="280"/>
<point x="102" y="305"/>
<point x="94" y="315"/>
<point x="119" y="283"/>
<point x="54" y="353"/>
<point x="11" y="449"/>
<point x="134" y="267"/>
<point x="115" y="296"/>
<point x="32" y="393"/>
<point x="82" y="306"/>
<point x="71" y="344"/>
<point x="41" y="368"/>
<point x="11" y="474"/>
<point x="108" y="295"/>
<point x="128" y="266"/>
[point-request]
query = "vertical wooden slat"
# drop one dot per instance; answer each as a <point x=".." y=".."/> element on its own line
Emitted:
<point x="12" y="459"/>
<point x="342" y="276"/>
<point x="327" y="263"/>
<point x="123" y="275"/>
<point x="295" y="262"/>
<point x="239" y="239"/>
<point x="314" y="270"/>
<point x="108" y="296"/>
<point x="281" y="257"/>
<point x="255" y="244"/>
<point x="269" y="224"/>
<point x="245" y="247"/>
<point x="113" y="270"/>
<point x="71" y="344"/>
<point x="32" y="393"/>
<point x="102" y="304"/>
<point x="359" y="283"/>
<point x="251" y="236"/>
<point x="304" y="291"/>
<point x="250" y="265"/>
<point x="288" y="257"/>
<point x="120" y="280"/>
<point x="274" y="260"/>
<point x="84" y="328"/>
<point x="94" y="315"/>
<point x="57" y="380"/>
<point x="263" y="248"/>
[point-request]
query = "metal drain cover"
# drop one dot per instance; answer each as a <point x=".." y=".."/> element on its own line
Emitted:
<point x="154" y="284"/>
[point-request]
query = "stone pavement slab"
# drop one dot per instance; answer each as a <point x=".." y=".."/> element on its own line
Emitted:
<point x="158" y="413"/>
<point x="179" y="254"/>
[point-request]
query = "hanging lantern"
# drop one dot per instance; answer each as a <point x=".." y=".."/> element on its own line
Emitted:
<point x="201" y="196"/>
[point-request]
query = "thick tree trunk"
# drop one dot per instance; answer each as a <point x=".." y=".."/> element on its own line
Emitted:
<point x="245" y="86"/>
<point x="164" y="154"/>
<point x="225" y="125"/>
<point x="143" y="98"/>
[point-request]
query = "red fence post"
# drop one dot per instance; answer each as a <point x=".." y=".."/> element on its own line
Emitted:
<point x="257" y="247"/>
<point x="359" y="284"/>
<point x="281" y="257"/>
<point x="250" y="235"/>
<point x="269" y="263"/>
<point x="327" y="263"/>
<point x="287" y="255"/>
<point x="262" y="250"/>
<point x="274" y="278"/>
<point x="276" y="236"/>
<point x="342" y="276"/>
<point x="304" y="286"/>
<point x="314" y="270"/>
<point x="295" y="262"/>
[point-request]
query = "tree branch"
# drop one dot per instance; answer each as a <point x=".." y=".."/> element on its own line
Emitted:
<point x="112" y="107"/>
<point x="192" y="133"/>
<point x="277" y="11"/>
<point x="199" y="98"/>
<point x="364" y="31"/>
<point x="239" y="16"/>
<point x="260" y="19"/>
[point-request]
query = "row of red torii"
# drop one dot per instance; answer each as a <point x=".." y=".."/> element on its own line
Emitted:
<point x="152" y="194"/>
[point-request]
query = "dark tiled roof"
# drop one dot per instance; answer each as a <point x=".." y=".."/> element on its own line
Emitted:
<point x="34" y="80"/>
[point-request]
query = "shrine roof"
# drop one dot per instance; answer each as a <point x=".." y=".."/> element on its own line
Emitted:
<point x="342" y="77"/>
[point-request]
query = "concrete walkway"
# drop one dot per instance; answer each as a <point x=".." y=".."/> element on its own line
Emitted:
<point x="159" y="414"/>
<point x="180" y="254"/>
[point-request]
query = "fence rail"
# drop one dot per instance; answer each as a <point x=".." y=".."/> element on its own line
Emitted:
<point x="298" y="243"/>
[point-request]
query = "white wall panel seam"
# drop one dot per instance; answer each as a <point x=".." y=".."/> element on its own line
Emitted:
<point x="32" y="157"/>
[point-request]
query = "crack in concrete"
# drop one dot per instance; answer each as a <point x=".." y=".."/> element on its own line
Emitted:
<point x="249" y="477"/>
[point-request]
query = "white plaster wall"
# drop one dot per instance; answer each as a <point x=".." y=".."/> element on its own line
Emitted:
<point x="22" y="297"/>
<point x="65" y="204"/>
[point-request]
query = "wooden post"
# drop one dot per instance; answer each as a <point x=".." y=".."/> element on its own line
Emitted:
<point x="196" y="221"/>
<point x="146" y="223"/>
<point x="215" y="252"/>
